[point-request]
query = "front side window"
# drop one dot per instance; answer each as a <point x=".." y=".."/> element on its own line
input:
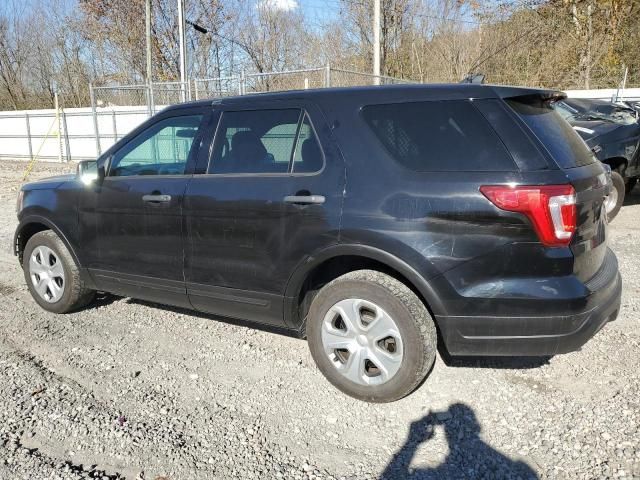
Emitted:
<point x="438" y="136"/>
<point x="162" y="149"/>
<point x="265" y="141"/>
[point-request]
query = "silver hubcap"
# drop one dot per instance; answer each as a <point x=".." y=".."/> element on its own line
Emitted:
<point x="362" y="341"/>
<point x="47" y="274"/>
<point x="611" y="200"/>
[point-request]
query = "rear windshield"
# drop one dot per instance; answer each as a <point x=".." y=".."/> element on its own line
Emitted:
<point x="438" y="136"/>
<point x="555" y="133"/>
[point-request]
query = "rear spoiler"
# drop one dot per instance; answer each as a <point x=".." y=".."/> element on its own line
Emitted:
<point x="525" y="95"/>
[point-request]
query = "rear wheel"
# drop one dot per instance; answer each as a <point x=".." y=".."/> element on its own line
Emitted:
<point x="613" y="201"/>
<point x="52" y="276"/>
<point x="371" y="336"/>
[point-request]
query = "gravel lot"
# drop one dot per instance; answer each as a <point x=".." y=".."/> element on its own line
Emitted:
<point x="127" y="389"/>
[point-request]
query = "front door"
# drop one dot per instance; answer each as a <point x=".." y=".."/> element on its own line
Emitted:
<point x="133" y="219"/>
<point x="271" y="196"/>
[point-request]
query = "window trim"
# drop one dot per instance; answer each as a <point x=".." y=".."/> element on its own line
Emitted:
<point x="289" y="173"/>
<point x="197" y="141"/>
<point x="392" y="157"/>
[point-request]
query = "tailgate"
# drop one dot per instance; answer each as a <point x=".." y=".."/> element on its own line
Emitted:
<point x="589" y="243"/>
<point x="583" y="171"/>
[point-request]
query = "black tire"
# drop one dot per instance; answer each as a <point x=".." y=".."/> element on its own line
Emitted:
<point x="618" y="184"/>
<point x="414" y="323"/>
<point x="74" y="293"/>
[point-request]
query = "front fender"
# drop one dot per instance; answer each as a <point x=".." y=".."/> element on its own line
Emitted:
<point x="35" y="219"/>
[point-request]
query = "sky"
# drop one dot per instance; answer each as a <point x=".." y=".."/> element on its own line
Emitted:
<point x="318" y="11"/>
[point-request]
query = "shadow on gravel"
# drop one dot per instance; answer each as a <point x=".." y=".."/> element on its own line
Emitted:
<point x="103" y="299"/>
<point x="631" y="199"/>
<point x="513" y="363"/>
<point x="469" y="456"/>
<point x="218" y="318"/>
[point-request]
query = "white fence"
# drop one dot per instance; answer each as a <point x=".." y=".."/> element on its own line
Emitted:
<point x="84" y="133"/>
<point x="68" y="136"/>
<point x="610" y="94"/>
<point x="78" y="134"/>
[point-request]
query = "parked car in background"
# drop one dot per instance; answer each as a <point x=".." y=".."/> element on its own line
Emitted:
<point x="635" y="105"/>
<point x="376" y="222"/>
<point x="612" y="132"/>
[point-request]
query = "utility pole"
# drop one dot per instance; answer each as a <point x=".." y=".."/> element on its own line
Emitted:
<point x="376" y="42"/>
<point x="183" y="50"/>
<point x="148" y="35"/>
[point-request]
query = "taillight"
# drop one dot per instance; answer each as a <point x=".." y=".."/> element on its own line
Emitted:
<point x="551" y="208"/>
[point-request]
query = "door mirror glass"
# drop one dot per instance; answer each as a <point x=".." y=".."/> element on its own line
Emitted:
<point x="87" y="171"/>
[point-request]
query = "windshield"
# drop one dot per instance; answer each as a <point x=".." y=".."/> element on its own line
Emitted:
<point x="606" y="112"/>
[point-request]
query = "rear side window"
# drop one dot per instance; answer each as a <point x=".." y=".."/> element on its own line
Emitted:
<point x="553" y="131"/>
<point x="438" y="136"/>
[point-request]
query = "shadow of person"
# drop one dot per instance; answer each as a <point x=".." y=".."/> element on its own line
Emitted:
<point x="469" y="456"/>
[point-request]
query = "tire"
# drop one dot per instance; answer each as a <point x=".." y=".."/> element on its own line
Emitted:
<point x="613" y="203"/>
<point x="398" y="333"/>
<point x="47" y="262"/>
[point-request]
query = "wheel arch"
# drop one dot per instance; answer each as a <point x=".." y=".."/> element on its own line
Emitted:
<point x="340" y="259"/>
<point x="616" y="162"/>
<point x="33" y="224"/>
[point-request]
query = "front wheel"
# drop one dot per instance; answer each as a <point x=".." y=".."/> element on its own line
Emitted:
<point x="371" y="336"/>
<point x="52" y="276"/>
<point x="613" y="201"/>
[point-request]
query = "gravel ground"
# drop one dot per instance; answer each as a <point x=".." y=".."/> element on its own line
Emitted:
<point x="127" y="389"/>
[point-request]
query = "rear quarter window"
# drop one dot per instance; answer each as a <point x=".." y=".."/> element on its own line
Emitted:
<point x="553" y="131"/>
<point x="438" y="136"/>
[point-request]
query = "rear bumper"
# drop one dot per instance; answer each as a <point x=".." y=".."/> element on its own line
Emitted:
<point x="537" y="335"/>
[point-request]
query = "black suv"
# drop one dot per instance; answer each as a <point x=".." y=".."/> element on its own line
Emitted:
<point x="377" y="222"/>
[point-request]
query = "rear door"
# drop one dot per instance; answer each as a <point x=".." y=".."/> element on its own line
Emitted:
<point x="270" y="195"/>
<point x="565" y="147"/>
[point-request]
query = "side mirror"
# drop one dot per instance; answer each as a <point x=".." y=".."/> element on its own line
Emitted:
<point x="88" y="171"/>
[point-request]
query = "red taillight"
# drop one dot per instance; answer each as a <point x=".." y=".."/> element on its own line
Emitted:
<point x="551" y="208"/>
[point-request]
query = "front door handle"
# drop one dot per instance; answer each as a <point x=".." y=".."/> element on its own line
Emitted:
<point x="305" y="199"/>
<point x="156" y="198"/>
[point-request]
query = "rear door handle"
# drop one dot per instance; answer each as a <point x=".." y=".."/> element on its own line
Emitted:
<point x="156" y="198"/>
<point x="305" y="199"/>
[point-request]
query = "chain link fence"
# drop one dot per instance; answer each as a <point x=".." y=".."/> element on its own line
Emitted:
<point x="116" y="109"/>
<point x="279" y="81"/>
<point x="216" y="87"/>
<point x="84" y="133"/>
<point x="160" y="94"/>
<point x="351" y="78"/>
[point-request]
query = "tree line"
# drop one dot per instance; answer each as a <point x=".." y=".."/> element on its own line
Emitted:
<point x="63" y="45"/>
